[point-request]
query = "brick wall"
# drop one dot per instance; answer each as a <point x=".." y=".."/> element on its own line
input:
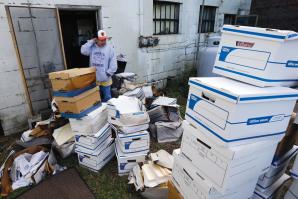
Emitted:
<point x="279" y="14"/>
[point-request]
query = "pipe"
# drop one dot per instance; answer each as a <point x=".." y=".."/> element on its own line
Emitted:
<point x="200" y="30"/>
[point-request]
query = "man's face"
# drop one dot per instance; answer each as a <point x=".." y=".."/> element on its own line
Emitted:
<point x="101" y="42"/>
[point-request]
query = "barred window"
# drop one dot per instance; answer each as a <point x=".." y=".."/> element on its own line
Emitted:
<point x="208" y="19"/>
<point x="230" y="19"/>
<point x="165" y="17"/>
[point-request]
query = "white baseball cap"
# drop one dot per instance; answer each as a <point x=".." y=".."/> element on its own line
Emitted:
<point x="102" y="35"/>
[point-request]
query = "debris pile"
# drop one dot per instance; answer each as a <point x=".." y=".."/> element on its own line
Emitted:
<point x="165" y="120"/>
<point x="150" y="179"/>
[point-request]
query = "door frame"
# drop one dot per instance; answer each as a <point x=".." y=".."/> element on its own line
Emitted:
<point x="18" y="56"/>
<point x="76" y="8"/>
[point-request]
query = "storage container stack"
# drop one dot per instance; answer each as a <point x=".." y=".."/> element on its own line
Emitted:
<point x="93" y="137"/>
<point x="293" y="190"/>
<point x="129" y="119"/>
<point x="232" y="127"/>
<point x="75" y="91"/>
<point x="78" y="99"/>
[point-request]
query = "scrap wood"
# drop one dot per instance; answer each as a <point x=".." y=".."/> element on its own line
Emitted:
<point x="6" y="182"/>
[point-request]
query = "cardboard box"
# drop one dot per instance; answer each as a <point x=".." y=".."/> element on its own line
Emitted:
<point x="127" y="161"/>
<point x="95" y="163"/>
<point x="135" y="142"/>
<point x="104" y="142"/>
<point x="225" y="168"/>
<point x="191" y="184"/>
<point x="91" y="123"/>
<point x="93" y="141"/>
<point x="166" y="131"/>
<point x="272" y="191"/>
<point x="294" y="170"/>
<point x="130" y="129"/>
<point x="78" y="103"/>
<point x="127" y="112"/>
<point x="173" y="193"/>
<point x="258" y="56"/>
<point x="222" y="107"/>
<point x="68" y="80"/>
<point x="276" y="169"/>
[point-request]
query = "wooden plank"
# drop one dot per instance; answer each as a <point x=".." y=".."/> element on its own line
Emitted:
<point x="20" y="65"/>
<point x="61" y="37"/>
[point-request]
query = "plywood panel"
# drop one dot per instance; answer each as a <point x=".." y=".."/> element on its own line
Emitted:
<point x="37" y="36"/>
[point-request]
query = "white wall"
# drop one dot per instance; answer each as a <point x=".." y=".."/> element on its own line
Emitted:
<point x="124" y="21"/>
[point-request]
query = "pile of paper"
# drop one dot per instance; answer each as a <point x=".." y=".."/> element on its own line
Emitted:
<point x="153" y="175"/>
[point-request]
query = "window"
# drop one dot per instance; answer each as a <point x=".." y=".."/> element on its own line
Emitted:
<point x="208" y="19"/>
<point x="166" y="17"/>
<point x="229" y="19"/>
<point x="247" y="20"/>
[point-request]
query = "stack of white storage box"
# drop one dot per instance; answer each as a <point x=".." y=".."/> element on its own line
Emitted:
<point x="93" y="137"/>
<point x="129" y="119"/>
<point x="269" y="182"/>
<point x="232" y="128"/>
<point x="293" y="190"/>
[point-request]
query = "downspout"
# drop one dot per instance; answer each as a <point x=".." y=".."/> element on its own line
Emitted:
<point x="200" y="30"/>
<point x="141" y="16"/>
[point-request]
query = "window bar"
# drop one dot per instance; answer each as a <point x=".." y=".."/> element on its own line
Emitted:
<point x="160" y="19"/>
<point x="170" y="18"/>
<point x="155" y="19"/>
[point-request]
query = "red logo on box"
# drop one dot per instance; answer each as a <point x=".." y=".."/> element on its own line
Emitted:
<point x="245" y="44"/>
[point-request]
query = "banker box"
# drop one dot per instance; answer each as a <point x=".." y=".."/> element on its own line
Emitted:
<point x="258" y="56"/>
<point x="224" y="167"/>
<point x="73" y="79"/>
<point x="235" y="113"/>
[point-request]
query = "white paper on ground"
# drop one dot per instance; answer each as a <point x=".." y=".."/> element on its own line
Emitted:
<point x="25" y="166"/>
<point x="163" y="158"/>
<point x="126" y="104"/>
<point x="26" y="136"/>
<point x="63" y="134"/>
<point x="135" y="177"/>
<point x="155" y="175"/>
<point x="165" y="101"/>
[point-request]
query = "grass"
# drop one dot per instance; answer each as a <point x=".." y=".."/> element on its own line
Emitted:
<point x="106" y="183"/>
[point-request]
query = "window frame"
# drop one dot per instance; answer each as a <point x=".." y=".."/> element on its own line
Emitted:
<point x="208" y="21"/>
<point x="232" y="18"/>
<point x="175" y="20"/>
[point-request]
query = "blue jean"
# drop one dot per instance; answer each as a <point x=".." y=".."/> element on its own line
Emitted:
<point x="105" y="93"/>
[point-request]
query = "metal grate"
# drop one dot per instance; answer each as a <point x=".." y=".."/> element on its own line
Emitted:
<point x="166" y="17"/>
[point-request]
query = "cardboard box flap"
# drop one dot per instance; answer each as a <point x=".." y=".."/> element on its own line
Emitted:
<point x="67" y="74"/>
<point x="264" y="33"/>
<point x="238" y="92"/>
<point x="76" y="98"/>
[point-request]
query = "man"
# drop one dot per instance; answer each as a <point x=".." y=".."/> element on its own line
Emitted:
<point x="102" y="57"/>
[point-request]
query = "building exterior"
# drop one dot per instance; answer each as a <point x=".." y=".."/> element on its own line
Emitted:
<point x="276" y="14"/>
<point x="40" y="36"/>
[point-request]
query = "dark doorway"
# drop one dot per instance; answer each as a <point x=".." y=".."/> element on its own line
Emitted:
<point x="77" y="27"/>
